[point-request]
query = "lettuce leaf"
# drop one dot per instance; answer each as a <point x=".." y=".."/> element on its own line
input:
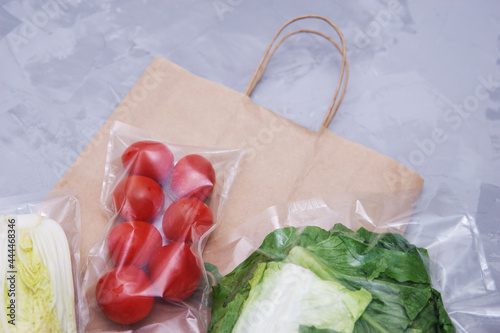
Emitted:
<point x="392" y="270"/>
<point x="298" y="297"/>
<point x="232" y="291"/>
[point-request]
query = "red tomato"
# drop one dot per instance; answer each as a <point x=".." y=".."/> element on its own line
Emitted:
<point x="138" y="198"/>
<point x="150" y="159"/>
<point x="133" y="243"/>
<point x="175" y="271"/>
<point x="186" y="220"/>
<point x="193" y="176"/>
<point x="125" y="295"/>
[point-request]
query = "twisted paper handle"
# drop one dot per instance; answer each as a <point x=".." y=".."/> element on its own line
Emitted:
<point x="344" y="72"/>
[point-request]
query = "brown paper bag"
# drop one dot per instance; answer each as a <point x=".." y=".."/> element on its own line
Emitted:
<point x="284" y="161"/>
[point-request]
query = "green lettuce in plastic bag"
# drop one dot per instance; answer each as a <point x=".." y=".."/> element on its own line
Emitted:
<point x="363" y="282"/>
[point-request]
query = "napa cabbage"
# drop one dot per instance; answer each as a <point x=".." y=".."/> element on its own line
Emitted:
<point x="35" y="275"/>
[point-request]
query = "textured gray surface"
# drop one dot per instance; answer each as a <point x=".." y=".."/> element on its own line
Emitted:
<point x="424" y="86"/>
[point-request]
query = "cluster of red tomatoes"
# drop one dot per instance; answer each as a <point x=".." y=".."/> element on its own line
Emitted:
<point x="144" y="267"/>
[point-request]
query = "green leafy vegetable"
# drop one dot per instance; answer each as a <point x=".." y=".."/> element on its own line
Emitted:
<point x="385" y="266"/>
<point x="298" y="297"/>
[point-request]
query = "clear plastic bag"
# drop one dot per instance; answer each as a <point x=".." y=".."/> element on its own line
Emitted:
<point x="40" y="264"/>
<point x="456" y="262"/>
<point x="141" y="250"/>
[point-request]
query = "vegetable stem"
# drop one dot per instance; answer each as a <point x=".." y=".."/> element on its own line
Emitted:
<point x="301" y="256"/>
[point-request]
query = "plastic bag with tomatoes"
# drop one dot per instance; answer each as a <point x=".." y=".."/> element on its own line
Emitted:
<point x="163" y="200"/>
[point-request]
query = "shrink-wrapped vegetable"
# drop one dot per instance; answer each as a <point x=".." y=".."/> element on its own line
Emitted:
<point x="35" y="275"/>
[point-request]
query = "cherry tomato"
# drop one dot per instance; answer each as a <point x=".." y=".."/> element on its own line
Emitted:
<point x="138" y="198"/>
<point x="193" y="176"/>
<point x="186" y="220"/>
<point x="175" y="271"/>
<point x="150" y="159"/>
<point x="125" y="295"/>
<point x="133" y="243"/>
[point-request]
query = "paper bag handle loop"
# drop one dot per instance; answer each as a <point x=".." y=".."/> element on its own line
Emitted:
<point x="344" y="72"/>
